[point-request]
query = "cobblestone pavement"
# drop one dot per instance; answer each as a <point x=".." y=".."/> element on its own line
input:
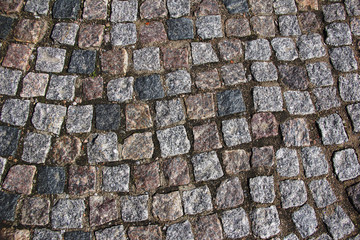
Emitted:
<point x="179" y="119"/>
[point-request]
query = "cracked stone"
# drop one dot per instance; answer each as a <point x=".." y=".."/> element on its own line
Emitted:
<point x="197" y="200"/>
<point x="20" y="179"/>
<point x="116" y="179"/>
<point x="322" y="193"/>
<point x="262" y="189"/>
<point x="138" y="146"/>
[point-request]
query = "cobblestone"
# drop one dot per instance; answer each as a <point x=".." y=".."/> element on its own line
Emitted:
<point x="230" y="102"/>
<point x="208" y="227"/>
<point x="293" y="193"/>
<point x="305" y="220"/>
<point x="66" y="9"/>
<point x="35" y="211"/>
<point x="17" y="56"/>
<point x="203" y="53"/>
<point x="197" y="200"/>
<point x="332" y="130"/>
<point x="287" y="162"/>
<point x="262" y="189"/>
<point x="338" y="34"/>
<point x="314" y="161"/>
<point x="235" y="131"/>
<point x="116" y="179"/>
<point x="153" y="32"/>
<point x="180" y="29"/>
<point x="265" y="222"/>
<point x="237" y="27"/>
<point x="5" y="24"/>
<point x="36" y="148"/>
<point x="264" y="71"/>
<point x="200" y="106"/>
<point x="9" y="81"/>
<point x="206" y="166"/>
<point x="348" y="87"/>
<point x="173" y="141"/>
<point x="114" y="61"/>
<point x="167" y="207"/>
<point x="343" y="59"/>
<point x="209" y="27"/>
<point x="138" y="146"/>
<point x="346" y="164"/>
<point x="233" y="74"/>
<point x="322" y="193"/>
<point x="262" y="157"/>
<point x="180" y="230"/>
<point x="95" y="9"/>
<point x="123" y="34"/>
<point x="103" y="148"/>
<point x="334" y="12"/>
<point x="299" y="103"/>
<point x="31" y="31"/>
<point x="268" y="99"/>
<point x="295" y="132"/>
<point x="124" y="11"/>
<point x="284" y="6"/>
<point x="66" y="149"/>
<point x="67" y="214"/>
<point x="236" y="161"/>
<point x="230" y="49"/>
<point x="169" y="112"/>
<point x="15" y="112"/>
<point x="289" y="25"/>
<point x="146" y="176"/>
<point x="153" y="9"/>
<point x="264" y="125"/>
<point x="134" y="208"/>
<point x="353" y="111"/>
<point x="40" y="7"/>
<point x="107" y="116"/>
<point x="102" y="210"/>
<point x="174" y="58"/>
<point x="82" y="179"/>
<point x="257" y="23"/>
<point x="51" y="180"/>
<point x="65" y="33"/>
<point x="236" y="223"/>
<point x="137" y="116"/>
<point x="206" y="137"/>
<point x="311" y="46"/>
<point x="116" y="232"/>
<point x="50" y="59"/>
<point x="326" y="98"/>
<point x="338" y="222"/>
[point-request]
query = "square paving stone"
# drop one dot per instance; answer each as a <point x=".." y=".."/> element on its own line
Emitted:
<point x="34" y="84"/>
<point x="257" y="50"/>
<point x="203" y="53"/>
<point x="262" y="189"/>
<point x="230" y="102"/>
<point x="103" y="147"/>
<point x="121" y="89"/>
<point x="65" y="33"/>
<point x="79" y="119"/>
<point x="123" y="34"/>
<point x="82" y="62"/>
<point x="259" y="7"/>
<point x="115" y="232"/>
<point x="338" y="223"/>
<point x="167" y="207"/>
<point x="233" y="74"/>
<point x="28" y="30"/>
<point x="352" y="7"/>
<point x="349" y="87"/>
<point x="146" y="176"/>
<point x="68" y="214"/>
<point x="209" y="27"/>
<point x="95" y="9"/>
<point x="116" y="179"/>
<point x="82" y="179"/>
<point x="235" y="131"/>
<point x="284" y="6"/>
<point x="138" y="146"/>
<point x="173" y="141"/>
<point x="103" y="209"/>
<point x="91" y="35"/>
<point x="149" y="87"/>
<point x="334" y="12"/>
<point x="107" y="116"/>
<point x="42" y="234"/>
<point x="305" y="220"/>
<point x="150" y="9"/>
<point x="36" y="148"/>
<point x="5" y="26"/>
<point x="151" y="232"/>
<point x="262" y="156"/>
<point x="206" y="137"/>
<point x="206" y="166"/>
<point x="295" y="132"/>
<point x="236" y="223"/>
<point x="178" y="82"/>
<point x="51" y="180"/>
<point x="320" y="74"/>
<point x="264" y="125"/>
<point x="152" y="32"/>
<point x="66" y="9"/>
<point x="66" y="149"/>
<point x="208" y="80"/>
<point x="9" y="138"/>
<point x="178" y="8"/>
<point x="237" y="27"/>
<point x="236" y="6"/>
<point x="134" y="208"/>
<point x="338" y="34"/>
<point x="346" y="164"/>
<point x="268" y="99"/>
<point x="176" y="171"/>
<point x="289" y="26"/>
<point x="15" y="112"/>
<point x="147" y="59"/>
<point x="180" y="230"/>
<point x="322" y="193"/>
<point x="265" y="222"/>
<point x="285" y="49"/>
<point x="311" y="46"/>
<point x="197" y="200"/>
<point x="293" y="193"/>
<point x="229" y="194"/>
<point x="354" y="113"/>
<point x="287" y="162"/>
<point x="8" y="202"/>
<point x="9" y="80"/>
<point x="35" y="211"/>
<point x="50" y="59"/>
<point x="61" y="88"/>
<point x="264" y="71"/>
<point x="137" y="116"/>
<point x="299" y="103"/>
<point x="208" y="227"/>
<point x="77" y="235"/>
<point x="200" y="106"/>
<point x="343" y="59"/>
<point x="354" y="194"/>
<point x="17" y="56"/>
<point x="114" y="61"/>
<point x="180" y="29"/>
<point x="332" y="129"/>
<point x="124" y="11"/>
<point x="20" y="179"/>
<point x="326" y="98"/>
<point x="230" y="49"/>
<point x="258" y="23"/>
<point x="169" y="112"/>
<point x="236" y="161"/>
<point x="175" y="58"/>
<point x="314" y="162"/>
<point x="355" y="26"/>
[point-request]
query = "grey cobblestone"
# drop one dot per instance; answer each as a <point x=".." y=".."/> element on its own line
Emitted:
<point x="332" y="129"/>
<point x="36" y="148"/>
<point x="293" y="193"/>
<point x="322" y="193"/>
<point x="305" y="220"/>
<point x="262" y="189"/>
<point x="15" y="112"/>
<point x="197" y="200"/>
<point x="61" y="88"/>
<point x="236" y="223"/>
<point x="314" y="161"/>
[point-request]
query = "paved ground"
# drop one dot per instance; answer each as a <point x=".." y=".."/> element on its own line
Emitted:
<point x="179" y="119"/>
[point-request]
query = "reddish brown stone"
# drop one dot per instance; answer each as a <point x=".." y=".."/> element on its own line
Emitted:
<point x="28" y="30"/>
<point x="18" y="56"/>
<point x="208" y="80"/>
<point x="138" y="146"/>
<point x="208" y="7"/>
<point x="114" y="61"/>
<point x="264" y="125"/>
<point x="153" y="9"/>
<point x="138" y="116"/>
<point x="34" y="84"/>
<point x="307" y="5"/>
<point x="93" y="88"/>
<point x="102" y="210"/>
<point x="230" y="49"/>
<point x="175" y="58"/>
<point x="259" y="7"/>
<point x="146" y="176"/>
<point x="200" y="106"/>
<point x="236" y="161"/>
<point x="229" y="194"/>
<point x="22" y="234"/>
<point x="20" y="179"/>
<point x="258" y="23"/>
<point x="150" y="232"/>
<point x="82" y="179"/>
<point x="176" y="171"/>
<point x="95" y="9"/>
<point x="152" y="32"/>
<point x="6" y="233"/>
<point x="91" y="35"/>
<point x="262" y="156"/>
<point x="208" y="228"/>
<point x="309" y="22"/>
<point x="237" y="27"/>
<point x="206" y="137"/>
<point x="11" y="6"/>
<point x="66" y="149"/>
<point x="167" y="207"/>
<point x="35" y="211"/>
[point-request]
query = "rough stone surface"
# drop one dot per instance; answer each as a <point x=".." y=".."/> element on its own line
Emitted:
<point x="114" y="61"/>
<point x="334" y="12"/>
<point x="138" y="146"/>
<point x="34" y="84"/>
<point x="94" y="9"/>
<point x="230" y="49"/>
<point x="236" y="161"/>
<point x="320" y="74"/>
<point x="20" y="179"/>
<point x="79" y="119"/>
<point x="264" y="125"/>
<point x="103" y="148"/>
<point x="197" y="200"/>
<point x="169" y="112"/>
<point x="123" y="34"/>
<point x="149" y="87"/>
<point x="9" y="138"/>
<point x="349" y="87"/>
<point x="305" y="220"/>
<point x="124" y="11"/>
<point x="134" y="208"/>
<point x="51" y="180"/>
<point x="175" y="58"/>
<point x="180" y="230"/>
<point x="200" y="106"/>
<point x="107" y="116"/>
<point x="206" y="166"/>
<point x="79" y="235"/>
<point x="343" y="59"/>
<point x="146" y="177"/>
<point x="15" y="112"/>
<point x="311" y="46"/>
<point x="206" y="137"/>
<point x="338" y="223"/>
<point x="102" y="210"/>
<point x="153" y="9"/>
<point x="264" y="71"/>
<point x="262" y="156"/>
<point x="67" y="214"/>
<point x="31" y="31"/>
<point x="35" y="211"/>
<point x="9" y="81"/>
<point x="258" y="50"/>
<point x="114" y="232"/>
<point x="50" y="59"/>
<point x="267" y="99"/>
<point x="235" y="131"/>
<point x="346" y="164"/>
<point x="284" y="6"/>
<point x="295" y="132"/>
<point x="65" y="9"/>
<point x="287" y="162"/>
<point x="82" y="62"/>
<point x="229" y="193"/>
<point x="17" y="56"/>
<point x="153" y="32"/>
<point x="237" y="27"/>
<point x="208" y="227"/>
<point x="289" y="25"/>
<point x="65" y="33"/>
<point x="121" y="89"/>
<point x="354" y="112"/>
<point x="173" y="141"/>
<point x="314" y="161"/>
<point x="178" y="8"/>
<point x="36" y="148"/>
<point x="236" y="223"/>
<point x="293" y="76"/>
<point x="293" y="193"/>
<point x="66" y="149"/>
<point x="137" y="116"/>
<point x="338" y="34"/>
<point x="354" y="193"/>
<point x="233" y="74"/>
<point x="322" y="193"/>
<point x="8" y="205"/>
<point x="178" y="82"/>
<point x="167" y="207"/>
<point x="299" y="103"/>
<point x="203" y="53"/>
<point x="332" y="130"/>
<point x="230" y="102"/>
<point x="208" y="80"/>
<point x="151" y="232"/>
<point x="236" y="6"/>
<point x="176" y="171"/>
<point x="5" y="24"/>
<point x="41" y="234"/>
<point x="82" y="179"/>
<point x="326" y="98"/>
<point x="209" y="27"/>
<point x="262" y="189"/>
<point x="91" y="36"/>
<point x="180" y="29"/>
<point x="116" y="179"/>
<point x="265" y="222"/>
<point x="258" y="23"/>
